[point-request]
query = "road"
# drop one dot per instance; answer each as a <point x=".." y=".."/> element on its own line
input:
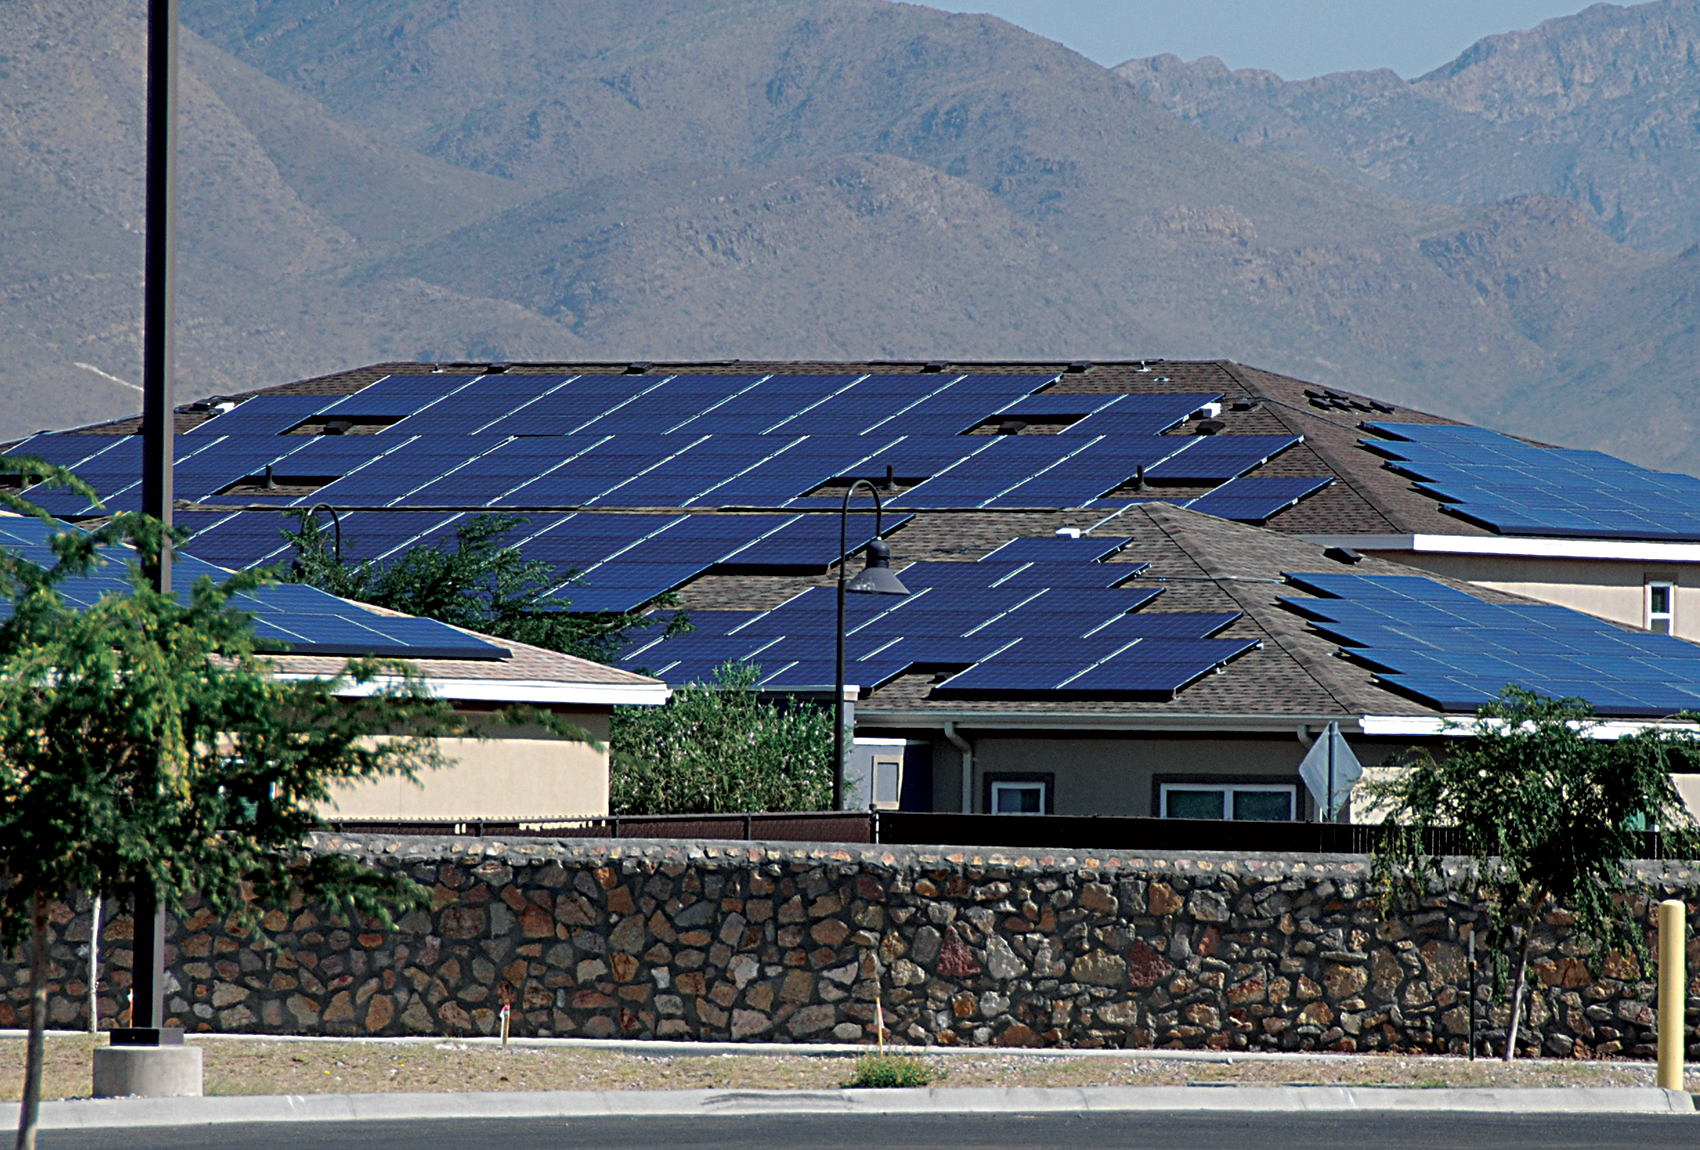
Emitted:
<point x="1167" y="1131"/>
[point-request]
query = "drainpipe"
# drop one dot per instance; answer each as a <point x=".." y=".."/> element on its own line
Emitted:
<point x="1305" y="740"/>
<point x="967" y="750"/>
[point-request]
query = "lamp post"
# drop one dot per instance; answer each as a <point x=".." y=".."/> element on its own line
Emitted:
<point x="875" y="578"/>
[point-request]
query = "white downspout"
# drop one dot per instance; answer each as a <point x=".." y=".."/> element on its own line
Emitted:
<point x="967" y="751"/>
<point x="1304" y="736"/>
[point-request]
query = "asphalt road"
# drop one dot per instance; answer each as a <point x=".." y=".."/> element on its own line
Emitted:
<point x="1168" y="1131"/>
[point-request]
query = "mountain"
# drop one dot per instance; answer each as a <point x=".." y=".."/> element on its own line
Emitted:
<point x="1601" y="108"/>
<point x="762" y="179"/>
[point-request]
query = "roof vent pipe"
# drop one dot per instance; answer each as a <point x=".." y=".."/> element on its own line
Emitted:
<point x="271" y="480"/>
<point x="891" y="477"/>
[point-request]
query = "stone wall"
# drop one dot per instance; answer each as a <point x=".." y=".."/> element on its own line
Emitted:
<point x="787" y="942"/>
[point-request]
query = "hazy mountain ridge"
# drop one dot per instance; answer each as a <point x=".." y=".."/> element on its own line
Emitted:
<point x="761" y="178"/>
<point x="1601" y="108"/>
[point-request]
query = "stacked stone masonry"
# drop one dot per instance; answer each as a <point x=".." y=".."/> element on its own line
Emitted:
<point x="784" y="942"/>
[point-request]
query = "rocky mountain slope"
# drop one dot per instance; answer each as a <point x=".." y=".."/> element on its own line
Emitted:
<point x="759" y="178"/>
<point x="1601" y="108"/>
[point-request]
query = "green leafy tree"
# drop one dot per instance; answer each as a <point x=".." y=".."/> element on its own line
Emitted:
<point x="143" y="740"/>
<point x="1550" y="815"/>
<point x="720" y="747"/>
<point x="481" y="584"/>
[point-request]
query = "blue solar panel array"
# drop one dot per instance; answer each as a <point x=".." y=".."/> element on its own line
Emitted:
<point x="1457" y="652"/>
<point x="1036" y="617"/>
<point x="674" y="441"/>
<point x="1511" y="487"/>
<point x="440" y="447"/>
<point x="622" y="560"/>
<point x="287" y="617"/>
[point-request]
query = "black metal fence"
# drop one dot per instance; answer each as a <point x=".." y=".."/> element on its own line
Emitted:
<point x="931" y="828"/>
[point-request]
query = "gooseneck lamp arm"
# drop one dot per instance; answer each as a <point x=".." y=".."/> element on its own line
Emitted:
<point x="838" y="680"/>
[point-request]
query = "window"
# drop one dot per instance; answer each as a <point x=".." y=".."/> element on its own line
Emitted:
<point x="1020" y="794"/>
<point x="1248" y="801"/>
<point x="1661" y="607"/>
<point x="887" y="782"/>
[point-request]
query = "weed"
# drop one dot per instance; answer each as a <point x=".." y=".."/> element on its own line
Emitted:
<point x="885" y="1071"/>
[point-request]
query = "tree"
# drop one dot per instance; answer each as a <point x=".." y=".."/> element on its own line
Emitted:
<point x="1550" y="812"/>
<point x="481" y="584"/>
<point x="142" y="739"/>
<point x="720" y="747"/>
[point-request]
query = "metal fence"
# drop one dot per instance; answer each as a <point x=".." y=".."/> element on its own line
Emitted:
<point x="932" y="828"/>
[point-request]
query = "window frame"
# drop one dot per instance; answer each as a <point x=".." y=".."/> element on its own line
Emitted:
<point x="1668" y="615"/>
<point x="992" y="780"/>
<point x="1227" y="784"/>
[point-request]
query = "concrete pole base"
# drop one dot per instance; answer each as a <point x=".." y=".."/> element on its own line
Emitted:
<point x="148" y="1071"/>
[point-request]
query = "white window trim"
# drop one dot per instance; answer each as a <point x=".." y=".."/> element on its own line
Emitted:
<point x="998" y="785"/>
<point x="1228" y="790"/>
<point x="1669" y="614"/>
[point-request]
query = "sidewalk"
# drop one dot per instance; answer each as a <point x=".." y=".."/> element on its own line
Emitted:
<point x="88" y="1114"/>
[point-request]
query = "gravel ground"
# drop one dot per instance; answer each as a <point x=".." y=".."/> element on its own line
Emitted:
<point x="266" y="1067"/>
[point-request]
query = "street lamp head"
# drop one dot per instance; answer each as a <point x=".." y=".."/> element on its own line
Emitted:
<point x="876" y="578"/>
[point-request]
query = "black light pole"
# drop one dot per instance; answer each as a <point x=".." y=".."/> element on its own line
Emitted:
<point x="147" y="1001"/>
<point x="875" y="578"/>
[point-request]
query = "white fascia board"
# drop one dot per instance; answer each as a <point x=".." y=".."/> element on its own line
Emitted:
<point x="1520" y="547"/>
<point x="539" y="692"/>
<point x="1429" y="726"/>
<point x="1284" y="725"/>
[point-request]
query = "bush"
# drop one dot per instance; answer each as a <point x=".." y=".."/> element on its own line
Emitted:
<point x="890" y="1071"/>
<point x="721" y="747"/>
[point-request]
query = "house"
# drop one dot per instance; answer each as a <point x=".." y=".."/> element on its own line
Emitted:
<point x="1135" y="588"/>
<point x="515" y="772"/>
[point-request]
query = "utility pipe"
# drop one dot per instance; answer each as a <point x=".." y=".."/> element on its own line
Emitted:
<point x="966" y="749"/>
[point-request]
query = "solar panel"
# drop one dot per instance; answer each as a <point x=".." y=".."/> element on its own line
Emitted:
<point x="1057" y="549"/>
<point x="263" y="415"/>
<point x="1217" y="458"/>
<point x="287" y="617"/>
<point x="1257" y="500"/>
<point x="1141" y="415"/>
<point x="1456" y="651"/>
<point x="1517" y="488"/>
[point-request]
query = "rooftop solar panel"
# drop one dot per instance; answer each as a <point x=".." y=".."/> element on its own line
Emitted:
<point x="1218" y="458"/>
<point x="292" y="617"/>
<point x="1252" y="499"/>
<point x="1457" y="651"/>
<point x="1517" y="488"/>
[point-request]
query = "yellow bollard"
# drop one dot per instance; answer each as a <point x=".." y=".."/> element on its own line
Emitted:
<point x="1673" y="996"/>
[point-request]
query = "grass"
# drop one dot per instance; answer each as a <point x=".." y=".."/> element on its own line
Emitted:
<point x="888" y="1071"/>
<point x="261" y="1066"/>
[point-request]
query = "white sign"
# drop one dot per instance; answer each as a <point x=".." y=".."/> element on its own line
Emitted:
<point x="1329" y="770"/>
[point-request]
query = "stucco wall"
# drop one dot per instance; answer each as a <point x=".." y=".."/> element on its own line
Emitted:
<point x="518" y="774"/>
<point x="1118" y="774"/>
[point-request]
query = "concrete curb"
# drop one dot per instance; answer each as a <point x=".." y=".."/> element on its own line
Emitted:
<point x="661" y="1047"/>
<point x="107" y="1113"/>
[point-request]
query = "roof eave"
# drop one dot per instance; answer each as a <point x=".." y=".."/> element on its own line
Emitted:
<point x="539" y="692"/>
<point x="1520" y="547"/>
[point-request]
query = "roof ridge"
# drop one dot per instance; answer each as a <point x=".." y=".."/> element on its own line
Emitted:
<point x="1173" y="522"/>
<point x="1323" y="450"/>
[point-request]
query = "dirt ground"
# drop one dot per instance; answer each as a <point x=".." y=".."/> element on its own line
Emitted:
<point x="258" y="1066"/>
